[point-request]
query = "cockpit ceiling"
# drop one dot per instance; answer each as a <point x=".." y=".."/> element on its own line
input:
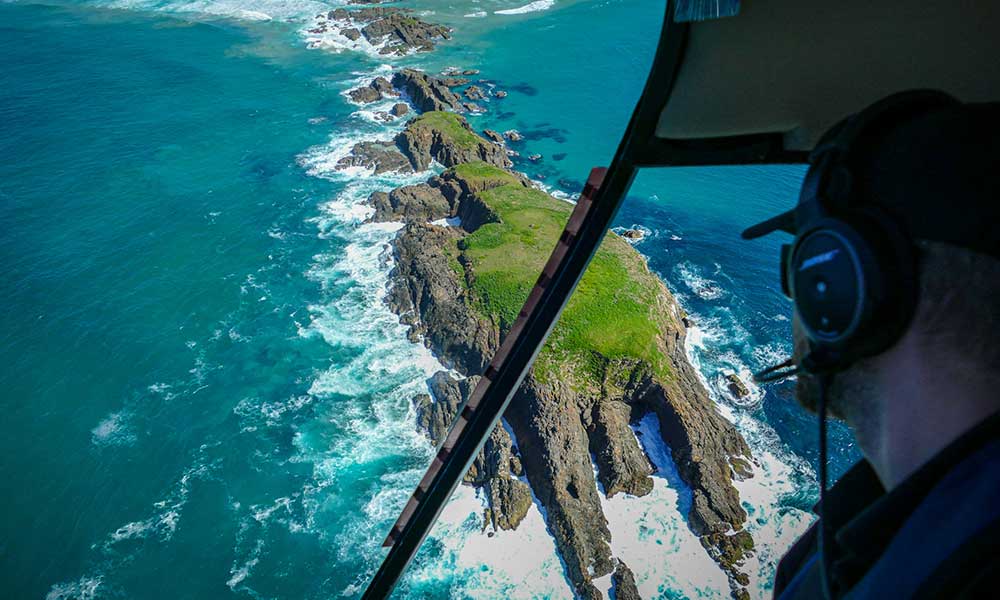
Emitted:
<point x="798" y="66"/>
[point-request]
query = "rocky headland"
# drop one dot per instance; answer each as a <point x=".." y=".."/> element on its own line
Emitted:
<point x="616" y="355"/>
<point x="474" y="240"/>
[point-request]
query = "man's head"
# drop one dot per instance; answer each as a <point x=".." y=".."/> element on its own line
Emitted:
<point x="865" y="278"/>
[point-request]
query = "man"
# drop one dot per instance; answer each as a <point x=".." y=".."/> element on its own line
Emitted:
<point x="909" y="359"/>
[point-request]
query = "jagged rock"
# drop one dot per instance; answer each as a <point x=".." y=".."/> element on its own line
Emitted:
<point x="510" y="500"/>
<point x="535" y="157"/>
<point x="470" y="72"/>
<point x="365" y="95"/>
<point x="513" y="135"/>
<point x="454" y="81"/>
<point x="427" y="93"/>
<point x="741" y="468"/>
<point x="398" y="31"/>
<point x="622" y="465"/>
<point x="448" y="139"/>
<point x="633" y="234"/>
<point x="382" y="86"/>
<point x="383" y="157"/>
<point x="623" y="583"/>
<point x="493" y="136"/>
<point x="399" y="109"/>
<point x="500" y="94"/>
<point x="473" y="108"/>
<point x="436" y="413"/>
<point x="474" y="92"/>
<point x="351" y="34"/>
<point x="555" y="452"/>
<point x="736" y="386"/>
<point x="412" y="203"/>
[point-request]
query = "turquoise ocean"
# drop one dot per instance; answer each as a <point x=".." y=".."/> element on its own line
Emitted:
<point x="203" y="394"/>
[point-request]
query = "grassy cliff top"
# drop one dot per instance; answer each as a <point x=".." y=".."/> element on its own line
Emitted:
<point x="450" y="125"/>
<point x="618" y="312"/>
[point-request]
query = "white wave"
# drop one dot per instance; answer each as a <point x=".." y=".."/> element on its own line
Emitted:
<point x="85" y="588"/>
<point x="651" y="534"/>
<point x="479" y="14"/>
<point x="448" y="222"/>
<point x="325" y="33"/>
<point x="705" y="288"/>
<point x="536" y="6"/>
<point x="259" y="10"/>
<point x="113" y="430"/>
<point x="496" y="566"/>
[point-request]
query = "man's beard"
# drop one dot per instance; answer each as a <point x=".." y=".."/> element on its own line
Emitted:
<point x="850" y="391"/>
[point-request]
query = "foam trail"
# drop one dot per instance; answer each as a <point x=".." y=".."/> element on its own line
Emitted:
<point x="651" y="534"/>
<point x="536" y="6"/>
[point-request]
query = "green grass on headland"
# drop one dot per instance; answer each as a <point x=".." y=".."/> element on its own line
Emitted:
<point x="617" y="313"/>
<point x="450" y="125"/>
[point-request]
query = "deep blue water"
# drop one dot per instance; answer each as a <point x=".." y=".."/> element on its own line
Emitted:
<point x="203" y="393"/>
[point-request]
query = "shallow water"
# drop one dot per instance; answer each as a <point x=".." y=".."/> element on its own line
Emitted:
<point x="203" y="392"/>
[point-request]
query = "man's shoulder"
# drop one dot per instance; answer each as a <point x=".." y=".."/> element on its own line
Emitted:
<point x="795" y="560"/>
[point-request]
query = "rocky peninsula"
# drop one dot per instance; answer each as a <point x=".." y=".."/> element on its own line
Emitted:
<point x="474" y="240"/>
<point x="616" y="355"/>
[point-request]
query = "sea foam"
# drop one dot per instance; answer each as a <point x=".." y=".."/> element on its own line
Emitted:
<point x="536" y="6"/>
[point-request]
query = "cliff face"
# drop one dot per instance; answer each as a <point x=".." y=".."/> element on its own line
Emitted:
<point x="616" y="355"/>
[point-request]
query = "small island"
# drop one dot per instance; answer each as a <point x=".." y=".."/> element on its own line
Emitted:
<point x="474" y="240"/>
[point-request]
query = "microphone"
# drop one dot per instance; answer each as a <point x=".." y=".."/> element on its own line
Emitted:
<point x="778" y="372"/>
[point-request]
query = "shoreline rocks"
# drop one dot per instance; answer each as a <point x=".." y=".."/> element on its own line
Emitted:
<point x="393" y="30"/>
<point x="427" y="93"/>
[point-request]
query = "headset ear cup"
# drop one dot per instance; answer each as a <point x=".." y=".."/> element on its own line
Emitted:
<point x="829" y="275"/>
<point x="895" y="293"/>
<point x="871" y="277"/>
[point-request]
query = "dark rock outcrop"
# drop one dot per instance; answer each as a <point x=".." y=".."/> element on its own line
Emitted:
<point x="623" y="583"/>
<point x="474" y="92"/>
<point x="443" y="137"/>
<point x="365" y="95"/>
<point x="622" y="464"/>
<point x="496" y="467"/>
<point x="427" y="93"/>
<point x="399" y="109"/>
<point x="412" y="203"/>
<point x="382" y="86"/>
<point x="430" y="298"/>
<point x="493" y="136"/>
<point x="394" y="30"/>
<point x="450" y="144"/>
<point x="736" y="386"/>
<point x="454" y="81"/>
<point x="383" y="157"/>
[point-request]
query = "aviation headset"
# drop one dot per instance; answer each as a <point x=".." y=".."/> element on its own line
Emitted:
<point x="852" y="269"/>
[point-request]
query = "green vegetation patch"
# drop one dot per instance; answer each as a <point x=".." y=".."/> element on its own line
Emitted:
<point x="616" y="314"/>
<point x="451" y="126"/>
<point x="480" y="175"/>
